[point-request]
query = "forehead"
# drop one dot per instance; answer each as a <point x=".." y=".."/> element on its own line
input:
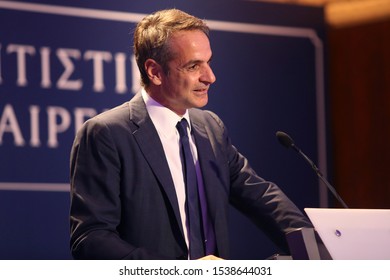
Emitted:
<point x="192" y="44"/>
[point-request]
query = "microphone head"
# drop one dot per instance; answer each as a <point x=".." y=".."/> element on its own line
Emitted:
<point x="284" y="139"/>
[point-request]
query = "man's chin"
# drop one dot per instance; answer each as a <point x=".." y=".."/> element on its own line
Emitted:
<point x="202" y="102"/>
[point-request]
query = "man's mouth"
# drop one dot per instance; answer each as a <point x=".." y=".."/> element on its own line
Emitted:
<point x="201" y="90"/>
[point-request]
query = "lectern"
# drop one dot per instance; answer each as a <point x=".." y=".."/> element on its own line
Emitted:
<point x="343" y="234"/>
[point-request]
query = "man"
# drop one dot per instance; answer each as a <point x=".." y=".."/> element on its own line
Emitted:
<point x="130" y="172"/>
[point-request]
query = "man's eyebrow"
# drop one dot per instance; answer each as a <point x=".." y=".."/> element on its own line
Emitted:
<point x="191" y="62"/>
<point x="196" y="61"/>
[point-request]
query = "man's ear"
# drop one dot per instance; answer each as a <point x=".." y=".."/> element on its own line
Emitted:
<point x="154" y="71"/>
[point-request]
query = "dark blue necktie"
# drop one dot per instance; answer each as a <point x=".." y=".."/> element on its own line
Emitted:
<point x="195" y="234"/>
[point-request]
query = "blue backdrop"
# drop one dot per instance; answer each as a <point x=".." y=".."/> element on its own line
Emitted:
<point x="62" y="62"/>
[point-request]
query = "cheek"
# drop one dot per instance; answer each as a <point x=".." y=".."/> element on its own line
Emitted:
<point x="191" y="82"/>
<point x="183" y="84"/>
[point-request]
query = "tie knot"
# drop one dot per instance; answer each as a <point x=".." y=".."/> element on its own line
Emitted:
<point x="182" y="127"/>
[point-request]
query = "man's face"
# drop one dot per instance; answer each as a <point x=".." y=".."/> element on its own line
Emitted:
<point x="189" y="73"/>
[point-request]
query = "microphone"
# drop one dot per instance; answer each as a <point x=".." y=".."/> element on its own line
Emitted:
<point x="287" y="141"/>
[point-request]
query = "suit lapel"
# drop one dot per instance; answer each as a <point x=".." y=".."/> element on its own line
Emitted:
<point x="150" y="145"/>
<point x="210" y="173"/>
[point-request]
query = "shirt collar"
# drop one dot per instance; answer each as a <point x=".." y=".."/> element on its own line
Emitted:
<point x="164" y="119"/>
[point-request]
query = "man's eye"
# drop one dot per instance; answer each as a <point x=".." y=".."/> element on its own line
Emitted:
<point x="193" y="67"/>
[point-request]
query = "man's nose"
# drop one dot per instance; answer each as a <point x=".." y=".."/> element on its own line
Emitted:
<point x="208" y="75"/>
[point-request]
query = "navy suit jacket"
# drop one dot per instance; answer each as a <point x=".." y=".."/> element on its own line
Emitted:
<point x="123" y="200"/>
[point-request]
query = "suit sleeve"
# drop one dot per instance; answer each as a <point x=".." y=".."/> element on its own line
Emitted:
<point x="95" y="211"/>
<point x="263" y="202"/>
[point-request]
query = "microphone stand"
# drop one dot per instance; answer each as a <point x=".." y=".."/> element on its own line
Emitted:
<point x="287" y="141"/>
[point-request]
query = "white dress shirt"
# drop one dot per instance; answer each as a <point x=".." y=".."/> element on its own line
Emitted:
<point x="165" y="122"/>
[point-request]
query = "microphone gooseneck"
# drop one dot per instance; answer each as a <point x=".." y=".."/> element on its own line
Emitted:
<point x="288" y="142"/>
